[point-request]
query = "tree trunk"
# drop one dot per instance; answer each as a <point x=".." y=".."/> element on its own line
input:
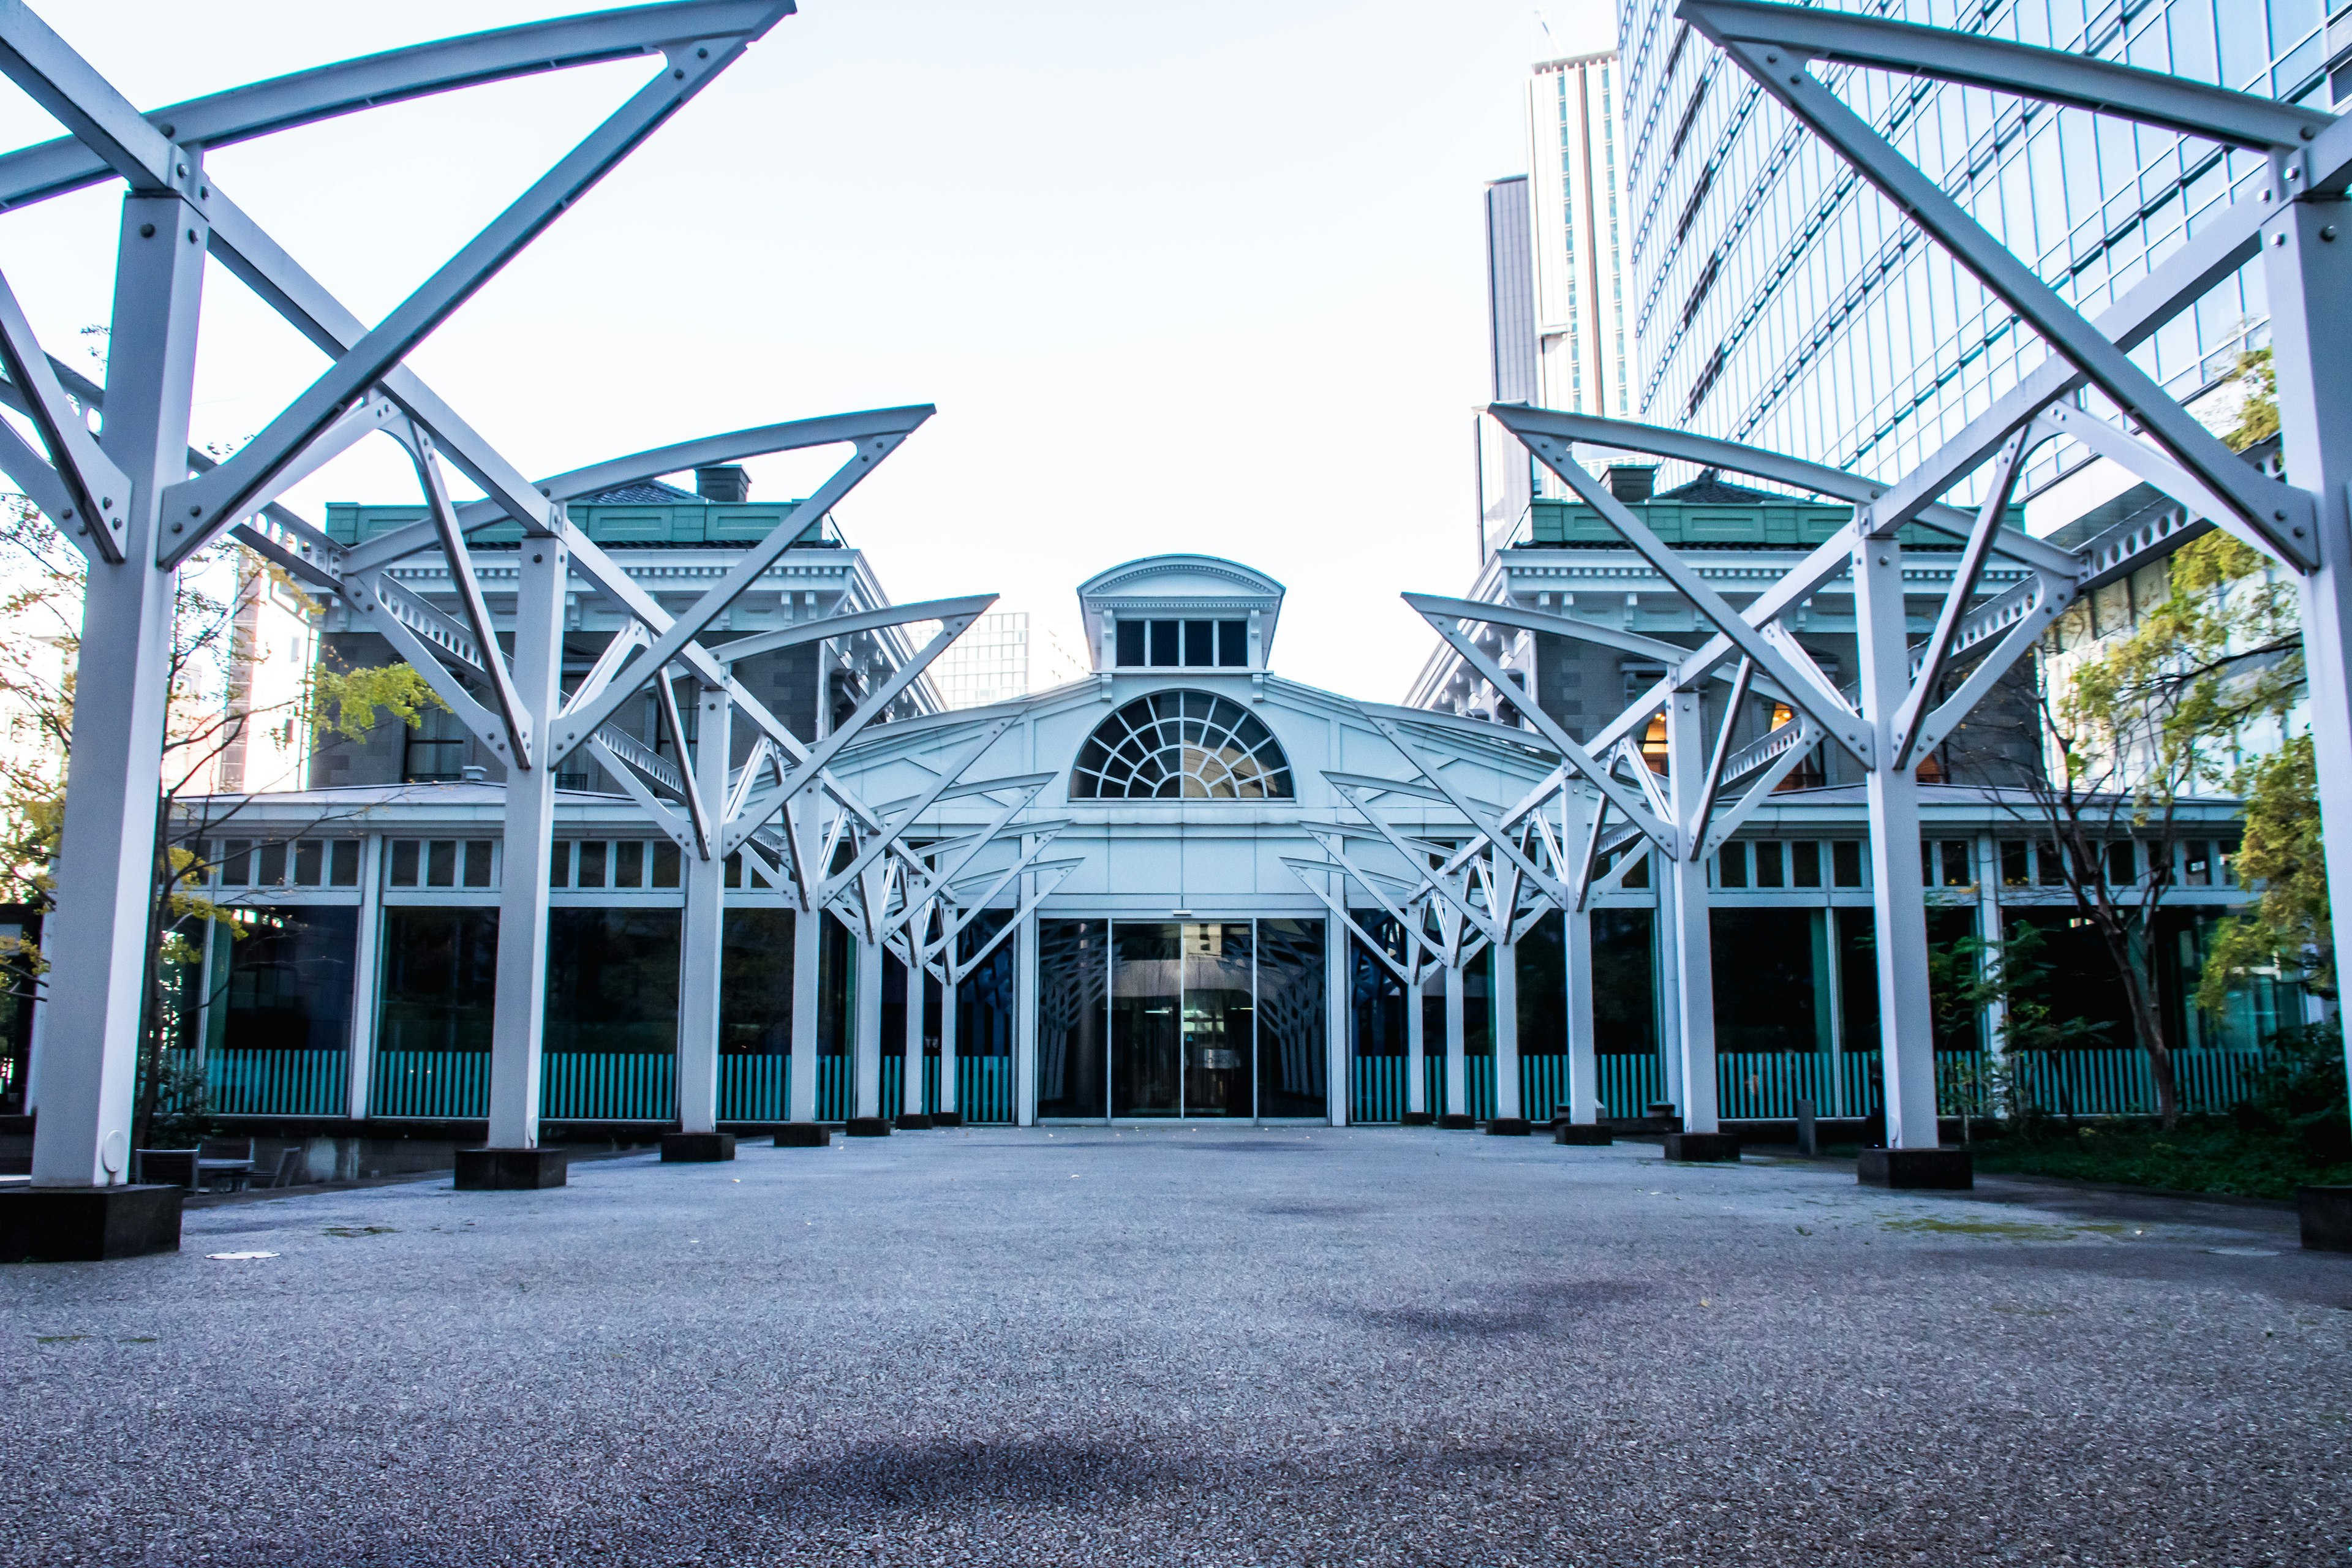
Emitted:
<point x="2149" y="1020"/>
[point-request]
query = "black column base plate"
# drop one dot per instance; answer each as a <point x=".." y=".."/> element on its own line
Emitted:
<point x="1509" y="1127"/>
<point x="1932" y="1170"/>
<point x="947" y="1118"/>
<point x="868" y="1127"/>
<point x="914" y="1121"/>
<point x="2326" y="1216"/>
<point x="511" y="1170"/>
<point x="88" y="1224"/>
<point x="1455" y="1122"/>
<point x="804" y="1135"/>
<point x="1417" y="1119"/>
<point x="1581" y="1134"/>
<point x="696" y="1148"/>
<point x="1701" y="1146"/>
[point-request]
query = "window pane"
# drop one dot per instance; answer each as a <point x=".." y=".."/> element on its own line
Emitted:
<point x="1731" y="865"/>
<point x="440" y="979"/>
<point x="1805" y="864"/>
<point x="1290" y="1013"/>
<point x="734" y="877"/>
<point x="271" y="870"/>
<point x="403" y="862"/>
<point x="441" y="863"/>
<point x="558" y="864"/>
<point x="1163" y="642"/>
<point x="1200" y="642"/>
<point x="2196" y="860"/>
<point x="477" y="863"/>
<point x="344" y="871"/>
<point x="629" y="864"/>
<point x="1233" y="643"/>
<point x="611" y="983"/>
<point x="666" y="865"/>
<point x="592" y="864"/>
<point x="755" y="992"/>
<point x="1130" y="641"/>
<point x="309" y="863"/>
<point x="1768" y="865"/>
<point x="2123" y="862"/>
<point x="1845" y="863"/>
<point x="1073" y="1016"/>
<point x="237" y="864"/>
<point x="2013" y="872"/>
<point x="2053" y="868"/>
<point x="1960" y="867"/>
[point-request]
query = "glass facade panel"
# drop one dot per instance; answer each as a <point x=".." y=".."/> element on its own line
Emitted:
<point x="1219" y="1019"/>
<point x="440" y="976"/>
<point x="1625" y="982"/>
<point x="285" y="985"/>
<point x="1292" y="1052"/>
<point x="1763" y="968"/>
<point x="755" y="989"/>
<point x="612" y="980"/>
<point x="1073" y="989"/>
<point x="1146" y="1002"/>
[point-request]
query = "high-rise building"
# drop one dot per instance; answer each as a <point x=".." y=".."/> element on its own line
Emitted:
<point x="1001" y="657"/>
<point x="1558" y="331"/>
<point x="1777" y="300"/>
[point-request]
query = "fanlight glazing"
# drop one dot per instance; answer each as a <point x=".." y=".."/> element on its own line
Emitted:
<point x="1181" y="745"/>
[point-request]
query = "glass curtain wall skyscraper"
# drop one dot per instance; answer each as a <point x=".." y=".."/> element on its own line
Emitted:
<point x="1559" y="334"/>
<point x="1780" y="300"/>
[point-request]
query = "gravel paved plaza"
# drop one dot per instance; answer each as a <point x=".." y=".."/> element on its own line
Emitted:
<point x="1195" y="1344"/>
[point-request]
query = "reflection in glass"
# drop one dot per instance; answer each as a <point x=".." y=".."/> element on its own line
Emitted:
<point x="1072" y="980"/>
<point x="1291" y="1056"/>
<point x="612" y="980"/>
<point x="755" y="992"/>
<point x="440" y="978"/>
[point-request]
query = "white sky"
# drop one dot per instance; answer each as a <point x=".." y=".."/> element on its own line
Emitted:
<point x="1206" y="278"/>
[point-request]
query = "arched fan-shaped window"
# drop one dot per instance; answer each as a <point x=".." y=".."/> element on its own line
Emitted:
<point x="1181" y="745"/>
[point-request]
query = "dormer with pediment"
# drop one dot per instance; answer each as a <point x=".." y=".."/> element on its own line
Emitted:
<point x="1180" y="612"/>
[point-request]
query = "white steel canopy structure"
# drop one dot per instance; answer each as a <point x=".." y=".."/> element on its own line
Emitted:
<point x="139" y="502"/>
<point x="1904" y="700"/>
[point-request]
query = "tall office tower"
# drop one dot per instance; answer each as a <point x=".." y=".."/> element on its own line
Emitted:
<point x="1780" y="300"/>
<point x="1557" y="330"/>
<point x="1003" y="657"/>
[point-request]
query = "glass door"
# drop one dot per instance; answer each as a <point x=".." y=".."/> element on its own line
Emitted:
<point x="1219" y="1020"/>
<point x="1147" y="991"/>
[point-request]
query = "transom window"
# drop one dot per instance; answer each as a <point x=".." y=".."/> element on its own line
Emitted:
<point x="1184" y="644"/>
<point x="1181" y="745"/>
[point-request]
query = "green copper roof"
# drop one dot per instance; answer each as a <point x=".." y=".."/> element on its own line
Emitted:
<point x="677" y="523"/>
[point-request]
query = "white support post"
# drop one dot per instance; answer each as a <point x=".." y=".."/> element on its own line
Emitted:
<point x="1025" y="1015"/>
<point x="1506" y="1026"/>
<point x="1583" y="1059"/>
<point x="1688" y="744"/>
<point x="866" y="1036"/>
<point x="1995" y="1021"/>
<point x="366" y="968"/>
<point x="1339" y="1081"/>
<point x="518" y="1026"/>
<point x="701" y="963"/>
<point x="1666" y="1000"/>
<point x="98" y="939"/>
<point x="1416" y="1049"/>
<point x="2308" y="266"/>
<point x="910" y="1080"/>
<point x="808" y="934"/>
<point x="1898" y="890"/>
<point x="1457" y="1067"/>
<point x="948" y="1101"/>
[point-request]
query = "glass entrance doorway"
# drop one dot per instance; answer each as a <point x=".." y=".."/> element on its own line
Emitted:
<point x="1182" y="1034"/>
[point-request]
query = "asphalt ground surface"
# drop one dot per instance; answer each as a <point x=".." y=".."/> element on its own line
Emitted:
<point x="1207" y="1345"/>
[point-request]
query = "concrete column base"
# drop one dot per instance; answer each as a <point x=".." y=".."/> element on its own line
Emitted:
<point x="2326" y="1216"/>
<point x="947" y="1118"/>
<point x="511" y="1170"/>
<point x="804" y="1135"/>
<point x="1581" y="1135"/>
<point x="868" y="1127"/>
<point x="1509" y="1127"/>
<point x="88" y="1224"/>
<point x="915" y="1121"/>
<point x="1933" y="1170"/>
<point x="1701" y="1146"/>
<point x="1417" y="1119"/>
<point x="1455" y="1122"/>
<point x="696" y="1148"/>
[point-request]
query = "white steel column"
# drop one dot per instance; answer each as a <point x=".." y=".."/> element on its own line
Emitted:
<point x="910" y="1080"/>
<point x="1666" y="999"/>
<point x="1340" y="1076"/>
<point x="1024" y="1016"/>
<point x="2308" y="265"/>
<point x="1458" y="1099"/>
<point x="948" y="1101"/>
<point x="1688" y="744"/>
<point x="1505" y="992"/>
<point x="808" y="932"/>
<point x="1416" y="1051"/>
<point x="517" y="1028"/>
<point x="98" y="939"/>
<point x="1990" y="932"/>
<point x="866" y="1034"/>
<point x="1583" y="1059"/>
<point x="702" y="963"/>
<point x="367" y="963"/>
<point x="1898" y="885"/>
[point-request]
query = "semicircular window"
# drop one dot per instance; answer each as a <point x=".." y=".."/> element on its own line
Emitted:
<point x="1181" y="745"/>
